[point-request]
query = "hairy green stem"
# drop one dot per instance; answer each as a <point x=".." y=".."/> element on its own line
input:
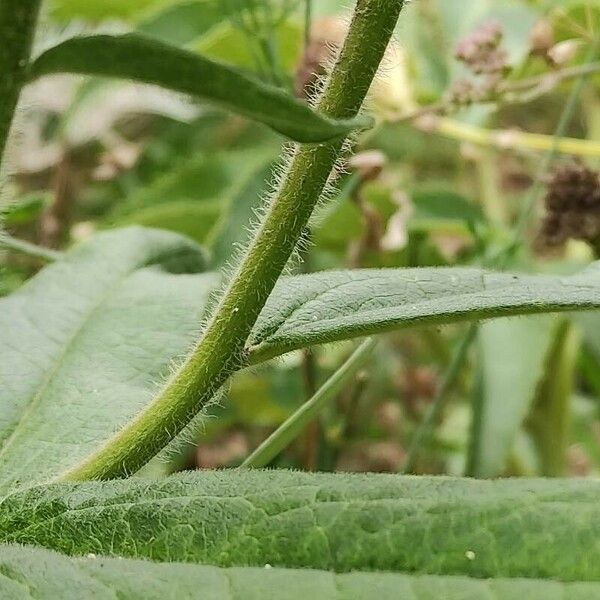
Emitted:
<point x="221" y="348"/>
<point x="18" y="19"/>
<point x="291" y="428"/>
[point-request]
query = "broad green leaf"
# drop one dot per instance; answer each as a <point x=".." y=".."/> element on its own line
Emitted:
<point x="31" y="572"/>
<point x="85" y="343"/>
<point x="513" y="354"/>
<point x="336" y="305"/>
<point x="147" y="60"/>
<point x="440" y="525"/>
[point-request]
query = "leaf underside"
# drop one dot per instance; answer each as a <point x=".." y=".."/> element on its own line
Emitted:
<point x="87" y="342"/>
<point x="340" y="522"/>
<point x="335" y="305"/>
<point x="28" y="572"/>
<point x="148" y="60"/>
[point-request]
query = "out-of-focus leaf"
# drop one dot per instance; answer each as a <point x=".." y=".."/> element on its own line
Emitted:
<point x="193" y="219"/>
<point x="182" y="22"/>
<point x="147" y="60"/>
<point x="437" y="208"/>
<point x="66" y="10"/>
<point x="513" y="354"/>
<point x="198" y="179"/>
<point x="86" y="342"/>
<point x="23" y="210"/>
<point x="228" y="44"/>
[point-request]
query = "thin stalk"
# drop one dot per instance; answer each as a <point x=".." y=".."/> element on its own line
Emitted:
<point x="23" y="247"/>
<point x="435" y="410"/>
<point x="221" y="349"/>
<point x="511" y="139"/>
<point x="18" y="19"/>
<point x="308" y="412"/>
<point x="308" y="11"/>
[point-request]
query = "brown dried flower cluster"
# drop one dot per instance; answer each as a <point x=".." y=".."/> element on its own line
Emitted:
<point x="573" y="205"/>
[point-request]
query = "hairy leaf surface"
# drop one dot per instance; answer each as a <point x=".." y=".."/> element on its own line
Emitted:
<point x="336" y="305"/>
<point x="148" y="60"/>
<point x="505" y="528"/>
<point x="84" y="344"/>
<point x="29" y="572"/>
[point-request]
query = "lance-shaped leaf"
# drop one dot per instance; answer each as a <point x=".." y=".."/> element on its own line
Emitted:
<point x="32" y="572"/>
<point x="85" y="343"/>
<point x="342" y="522"/>
<point x="337" y="305"/>
<point x="148" y="60"/>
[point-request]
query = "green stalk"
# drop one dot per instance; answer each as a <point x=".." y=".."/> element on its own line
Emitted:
<point x="221" y="349"/>
<point x="23" y="247"/>
<point x="435" y="410"/>
<point x="292" y="427"/>
<point x="18" y="19"/>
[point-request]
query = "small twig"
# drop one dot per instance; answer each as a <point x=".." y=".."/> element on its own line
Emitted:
<point x="23" y="247"/>
<point x="435" y="410"/>
<point x="510" y="139"/>
<point x="530" y="89"/>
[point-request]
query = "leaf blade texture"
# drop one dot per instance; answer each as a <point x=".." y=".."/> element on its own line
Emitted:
<point x="335" y="305"/>
<point x="340" y="522"/>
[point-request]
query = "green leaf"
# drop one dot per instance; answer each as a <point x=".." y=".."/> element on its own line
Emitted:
<point x="145" y="59"/>
<point x="85" y="343"/>
<point x="337" y="305"/>
<point x="29" y="572"/>
<point x="513" y="354"/>
<point x="444" y="526"/>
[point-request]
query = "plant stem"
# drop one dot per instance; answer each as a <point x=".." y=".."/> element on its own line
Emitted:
<point x="308" y="9"/>
<point x="23" y="247"/>
<point x="435" y="410"/>
<point x="287" y="432"/>
<point x="509" y="139"/>
<point x="18" y="19"/>
<point x="221" y="348"/>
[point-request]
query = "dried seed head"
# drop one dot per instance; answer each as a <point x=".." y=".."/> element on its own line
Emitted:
<point x="572" y="205"/>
